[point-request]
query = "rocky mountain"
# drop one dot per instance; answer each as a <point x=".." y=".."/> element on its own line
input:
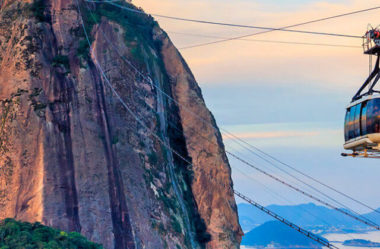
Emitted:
<point x="73" y="157"/>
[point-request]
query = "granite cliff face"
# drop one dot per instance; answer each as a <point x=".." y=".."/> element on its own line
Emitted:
<point x="73" y="157"/>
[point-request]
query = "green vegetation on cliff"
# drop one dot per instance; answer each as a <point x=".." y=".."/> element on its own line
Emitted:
<point x="20" y="235"/>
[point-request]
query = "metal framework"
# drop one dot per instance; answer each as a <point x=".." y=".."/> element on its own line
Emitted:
<point x="371" y="46"/>
<point x="362" y="154"/>
<point x="371" y="40"/>
<point x="288" y="223"/>
<point x="373" y="77"/>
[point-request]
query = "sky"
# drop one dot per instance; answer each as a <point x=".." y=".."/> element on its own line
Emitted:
<point x="288" y="100"/>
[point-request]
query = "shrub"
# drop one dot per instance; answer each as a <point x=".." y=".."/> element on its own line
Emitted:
<point x="83" y="50"/>
<point x="115" y="139"/>
<point x="201" y="232"/>
<point x="175" y="225"/>
<point x="61" y="60"/>
<point x="153" y="159"/>
<point x="20" y="235"/>
<point x="38" y="9"/>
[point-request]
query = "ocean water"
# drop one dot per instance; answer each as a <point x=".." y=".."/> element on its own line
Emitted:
<point x="337" y="239"/>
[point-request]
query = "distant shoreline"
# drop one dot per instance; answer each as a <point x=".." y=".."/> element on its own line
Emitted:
<point x="361" y="243"/>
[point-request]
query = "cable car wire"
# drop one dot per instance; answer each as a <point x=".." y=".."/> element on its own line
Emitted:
<point x="229" y="24"/>
<point x="290" y="224"/>
<point x="264" y="41"/>
<point x="285" y="27"/>
<point x="267" y="41"/>
<point x="303" y="174"/>
<point x="310" y="186"/>
<point x="278" y="196"/>
<point x="273" y="193"/>
<point x="266" y="188"/>
<point x="245" y="144"/>
<point x="313" y="188"/>
<point x="369" y="223"/>
<point x="282" y="170"/>
<point x="360" y="219"/>
<point x="274" y="215"/>
<point x="286" y="172"/>
<point x="173" y="125"/>
<point x="262" y="208"/>
<point x="130" y="111"/>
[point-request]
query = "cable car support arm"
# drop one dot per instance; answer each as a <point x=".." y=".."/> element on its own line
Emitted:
<point x="374" y="75"/>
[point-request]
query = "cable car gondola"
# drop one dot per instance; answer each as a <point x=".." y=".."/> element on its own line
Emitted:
<point x="362" y="122"/>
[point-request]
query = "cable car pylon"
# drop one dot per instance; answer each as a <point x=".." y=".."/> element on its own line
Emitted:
<point x="362" y="122"/>
<point x="299" y="229"/>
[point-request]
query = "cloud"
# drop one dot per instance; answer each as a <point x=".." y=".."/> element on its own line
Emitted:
<point x="273" y="134"/>
<point x="285" y="135"/>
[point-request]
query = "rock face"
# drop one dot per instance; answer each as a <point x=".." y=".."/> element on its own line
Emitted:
<point x="148" y="173"/>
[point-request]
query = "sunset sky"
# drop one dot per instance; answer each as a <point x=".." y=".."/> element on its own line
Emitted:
<point x="286" y="99"/>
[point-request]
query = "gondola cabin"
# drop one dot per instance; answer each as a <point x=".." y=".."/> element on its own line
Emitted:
<point x="362" y="124"/>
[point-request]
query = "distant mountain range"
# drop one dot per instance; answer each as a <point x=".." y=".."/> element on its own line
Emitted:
<point x="277" y="235"/>
<point x="317" y="218"/>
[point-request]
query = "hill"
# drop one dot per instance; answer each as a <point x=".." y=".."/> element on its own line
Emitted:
<point x="276" y="233"/>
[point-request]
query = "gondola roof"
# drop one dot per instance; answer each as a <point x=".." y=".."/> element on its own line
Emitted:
<point x="364" y="98"/>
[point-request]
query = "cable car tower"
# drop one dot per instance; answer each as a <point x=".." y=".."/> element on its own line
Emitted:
<point x="362" y="122"/>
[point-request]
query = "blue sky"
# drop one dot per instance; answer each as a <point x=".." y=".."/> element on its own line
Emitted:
<point x="288" y="100"/>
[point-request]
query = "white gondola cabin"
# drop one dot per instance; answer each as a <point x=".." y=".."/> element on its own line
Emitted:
<point x="362" y="122"/>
